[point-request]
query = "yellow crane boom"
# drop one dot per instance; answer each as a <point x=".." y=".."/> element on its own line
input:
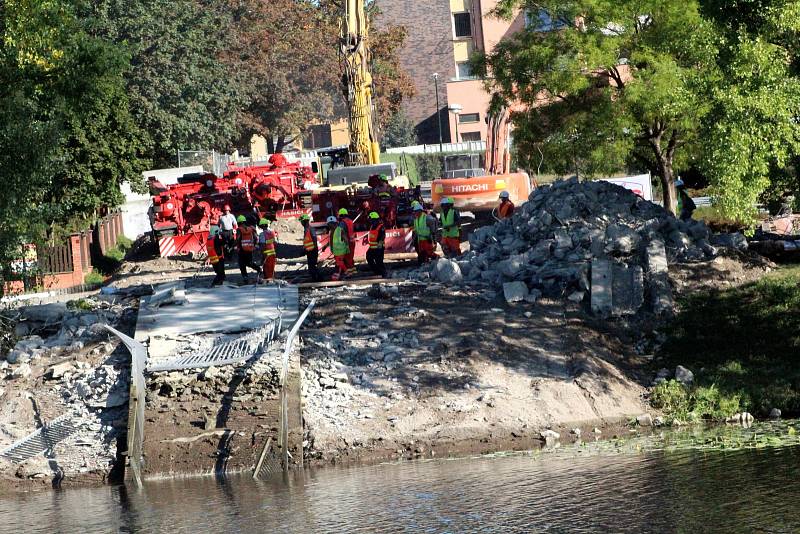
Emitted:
<point x="364" y="148"/>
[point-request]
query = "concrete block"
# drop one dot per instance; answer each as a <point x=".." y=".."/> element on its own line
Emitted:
<point x="656" y="258"/>
<point x="515" y="291"/>
<point x="627" y="289"/>
<point x="602" y="302"/>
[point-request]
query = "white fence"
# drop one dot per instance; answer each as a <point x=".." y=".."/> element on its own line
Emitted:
<point x="468" y="146"/>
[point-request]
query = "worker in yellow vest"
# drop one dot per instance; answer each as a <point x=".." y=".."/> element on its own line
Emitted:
<point x="311" y="247"/>
<point x="451" y="229"/>
<point x="340" y="246"/>
<point x="377" y="239"/>
<point x="267" y="243"/>
<point x="215" y="246"/>
<point x="424" y="232"/>
<point x="246" y="239"/>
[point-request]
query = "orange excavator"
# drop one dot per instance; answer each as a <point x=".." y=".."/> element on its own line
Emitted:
<point x="475" y="185"/>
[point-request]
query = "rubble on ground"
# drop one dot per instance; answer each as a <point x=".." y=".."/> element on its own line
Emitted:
<point x="64" y="364"/>
<point x="591" y="242"/>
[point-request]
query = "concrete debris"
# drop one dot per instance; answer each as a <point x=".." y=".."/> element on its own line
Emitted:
<point x="447" y="271"/>
<point x="775" y="413"/>
<point x="515" y="291"/>
<point x="592" y="237"/>
<point x="644" y="420"/>
<point x="684" y="375"/>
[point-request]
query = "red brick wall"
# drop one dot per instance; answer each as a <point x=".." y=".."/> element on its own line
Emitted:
<point x="428" y="49"/>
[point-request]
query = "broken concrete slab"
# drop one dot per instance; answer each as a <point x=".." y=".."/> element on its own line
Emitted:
<point x="447" y="271"/>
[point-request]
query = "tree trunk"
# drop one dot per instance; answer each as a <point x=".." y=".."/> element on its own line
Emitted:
<point x="664" y="159"/>
<point x="270" y="143"/>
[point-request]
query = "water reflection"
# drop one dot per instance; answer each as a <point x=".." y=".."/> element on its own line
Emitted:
<point x="596" y="488"/>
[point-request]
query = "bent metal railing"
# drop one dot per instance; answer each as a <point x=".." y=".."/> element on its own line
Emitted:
<point x="263" y="467"/>
<point x="136" y="403"/>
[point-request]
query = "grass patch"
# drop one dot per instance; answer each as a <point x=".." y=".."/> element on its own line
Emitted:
<point x="743" y="346"/>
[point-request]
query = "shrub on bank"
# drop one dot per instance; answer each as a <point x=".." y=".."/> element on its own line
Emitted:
<point x="742" y="344"/>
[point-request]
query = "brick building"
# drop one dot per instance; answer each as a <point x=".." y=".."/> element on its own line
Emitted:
<point x="442" y="34"/>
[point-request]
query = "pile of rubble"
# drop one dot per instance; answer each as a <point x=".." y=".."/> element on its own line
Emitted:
<point x="64" y="366"/>
<point x="587" y="241"/>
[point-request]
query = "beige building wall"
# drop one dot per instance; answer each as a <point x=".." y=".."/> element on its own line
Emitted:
<point x="465" y="91"/>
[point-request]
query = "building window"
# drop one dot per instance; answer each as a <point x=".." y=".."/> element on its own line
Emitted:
<point x="471" y="136"/>
<point x="462" y="25"/>
<point x="464" y="71"/>
<point x="541" y="21"/>
<point x="465" y="118"/>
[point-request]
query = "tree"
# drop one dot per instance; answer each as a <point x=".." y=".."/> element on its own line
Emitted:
<point x="181" y="93"/>
<point x="399" y="132"/>
<point x="286" y="52"/>
<point x="652" y="83"/>
<point x="67" y="139"/>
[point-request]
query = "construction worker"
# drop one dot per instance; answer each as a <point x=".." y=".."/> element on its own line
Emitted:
<point x="506" y="208"/>
<point x="228" y="225"/>
<point x="424" y="230"/>
<point x="451" y="229"/>
<point x="215" y="246"/>
<point x="311" y="247"/>
<point x="686" y="205"/>
<point x="246" y="239"/>
<point x="344" y="217"/>
<point x="340" y="246"/>
<point x="377" y="238"/>
<point x="386" y="195"/>
<point x="266" y="242"/>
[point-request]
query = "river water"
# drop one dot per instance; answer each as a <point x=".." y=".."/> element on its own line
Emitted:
<point x="724" y="481"/>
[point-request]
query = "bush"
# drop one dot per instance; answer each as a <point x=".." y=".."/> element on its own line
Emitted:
<point x="94" y="278"/>
<point x="683" y="404"/>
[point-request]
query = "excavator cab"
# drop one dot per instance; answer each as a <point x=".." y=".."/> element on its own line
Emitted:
<point x="464" y="166"/>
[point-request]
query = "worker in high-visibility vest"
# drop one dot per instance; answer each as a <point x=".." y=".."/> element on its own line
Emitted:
<point x="246" y="239"/>
<point x="215" y="246"/>
<point x="424" y="231"/>
<point x="340" y="246"/>
<point x="506" y="208"/>
<point x="451" y="229"/>
<point x="377" y="240"/>
<point x="267" y="243"/>
<point x="311" y="247"/>
<point x="344" y="217"/>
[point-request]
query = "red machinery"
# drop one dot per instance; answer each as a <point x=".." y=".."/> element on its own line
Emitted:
<point x="183" y="213"/>
<point x="280" y="190"/>
<point x="359" y="201"/>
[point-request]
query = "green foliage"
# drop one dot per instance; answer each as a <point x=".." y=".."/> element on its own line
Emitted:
<point x="656" y="85"/>
<point x="94" y="278"/>
<point x="744" y="343"/>
<point x="181" y="93"/>
<point x="429" y="166"/>
<point x="399" y="132"/>
<point x="684" y="405"/>
<point x="66" y="137"/>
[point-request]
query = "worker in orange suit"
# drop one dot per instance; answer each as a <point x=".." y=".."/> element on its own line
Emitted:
<point x="215" y="246"/>
<point x="506" y="208"/>
<point x="246" y="238"/>
<point x="267" y="241"/>
<point x="344" y="217"/>
<point x="377" y="239"/>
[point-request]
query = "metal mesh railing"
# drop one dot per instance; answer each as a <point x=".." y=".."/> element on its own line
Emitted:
<point x="224" y="352"/>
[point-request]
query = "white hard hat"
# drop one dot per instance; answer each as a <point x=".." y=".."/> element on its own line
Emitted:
<point x="678" y="183"/>
<point x="332" y="220"/>
<point x="417" y="207"/>
<point x="504" y="194"/>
